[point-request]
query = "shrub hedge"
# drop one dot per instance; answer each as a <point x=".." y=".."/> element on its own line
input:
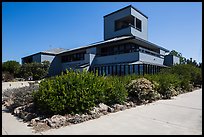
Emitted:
<point x="77" y="92"/>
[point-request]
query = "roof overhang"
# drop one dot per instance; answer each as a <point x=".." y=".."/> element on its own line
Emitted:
<point x="144" y="62"/>
<point x="43" y="53"/>
<point x="118" y="40"/>
<point x="147" y="44"/>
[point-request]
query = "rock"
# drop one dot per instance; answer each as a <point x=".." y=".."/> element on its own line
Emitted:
<point x="85" y="117"/>
<point x="57" y="121"/>
<point x="127" y="104"/>
<point x="132" y="104"/>
<point x="29" y="116"/>
<point x="17" y="111"/>
<point x="123" y="107"/>
<point x="105" y="112"/>
<point x="110" y="109"/>
<point x="23" y="115"/>
<point x="95" y="110"/>
<point x="94" y="116"/>
<point x="76" y="119"/>
<point x="118" y="107"/>
<point x="103" y="107"/>
<point x="34" y="121"/>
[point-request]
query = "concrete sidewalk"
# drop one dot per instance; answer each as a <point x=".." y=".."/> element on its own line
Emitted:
<point x="181" y="115"/>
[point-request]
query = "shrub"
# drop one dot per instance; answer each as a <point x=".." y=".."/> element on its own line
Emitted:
<point x="6" y="76"/>
<point x="35" y="70"/>
<point x="166" y="84"/>
<point x="115" y="91"/>
<point x="142" y="90"/>
<point x="19" y="96"/>
<point x="189" y="74"/>
<point x="77" y="92"/>
<point x="12" y="67"/>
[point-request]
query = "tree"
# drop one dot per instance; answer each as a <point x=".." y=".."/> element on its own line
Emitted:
<point x="6" y="76"/>
<point x="46" y="65"/>
<point x="11" y="66"/>
<point x="35" y="70"/>
<point x="175" y="53"/>
<point x="200" y="65"/>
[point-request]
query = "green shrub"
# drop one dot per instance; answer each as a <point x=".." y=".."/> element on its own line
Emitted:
<point x="166" y="84"/>
<point x="115" y="91"/>
<point x="188" y="74"/>
<point x="77" y="92"/>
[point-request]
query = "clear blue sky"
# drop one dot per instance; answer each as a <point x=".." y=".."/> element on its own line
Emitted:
<point x="31" y="27"/>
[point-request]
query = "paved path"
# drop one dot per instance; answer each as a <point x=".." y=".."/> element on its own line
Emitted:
<point x="181" y="115"/>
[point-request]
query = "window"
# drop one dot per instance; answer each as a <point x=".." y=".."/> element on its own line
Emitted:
<point x="127" y="69"/>
<point x="124" y="22"/>
<point x="136" y="70"/>
<point x="104" y="51"/>
<point x="73" y="57"/>
<point x="122" y="69"/>
<point x="141" y="69"/>
<point x="114" y="70"/>
<point x="108" y="70"/>
<point x="138" y="24"/>
<point x="131" y="68"/>
<point x="99" y="71"/>
<point x="118" y="69"/>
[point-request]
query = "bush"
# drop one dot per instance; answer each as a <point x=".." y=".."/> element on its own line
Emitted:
<point x="35" y="70"/>
<point x="77" y="92"/>
<point x="166" y="84"/>
<point x="6" y="76"/>
<point x="189" y="74"/>
<point x="19" y="96"/>
<point x="12" y="67"/>
<point x="115" y="91"/>
<point x="142" y="90"/>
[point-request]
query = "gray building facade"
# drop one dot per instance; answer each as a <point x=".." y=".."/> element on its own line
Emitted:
<point x="124" y="50"/>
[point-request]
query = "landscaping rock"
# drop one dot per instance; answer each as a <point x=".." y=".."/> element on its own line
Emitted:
<point x="110" y="109"/>
<point x="103" y="107"/>
<point x="57" y="121"/>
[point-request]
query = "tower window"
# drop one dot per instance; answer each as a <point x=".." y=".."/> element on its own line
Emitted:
<point x="124" y="22"/>
<point x="138" y="24"/>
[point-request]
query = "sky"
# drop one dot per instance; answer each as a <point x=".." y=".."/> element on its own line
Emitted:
<point x="31" y="27"/>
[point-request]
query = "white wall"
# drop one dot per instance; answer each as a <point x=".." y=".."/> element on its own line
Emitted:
<point x="11" y="85"/>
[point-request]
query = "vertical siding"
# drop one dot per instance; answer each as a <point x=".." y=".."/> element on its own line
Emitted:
<point x="109" y="24"/>
<point x="170" y="60"/>
<point x="149" y="58"/>
<point x="55" y="66"/>
<point x="144" y="33"/>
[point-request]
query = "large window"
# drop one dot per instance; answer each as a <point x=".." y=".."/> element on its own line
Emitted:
<point x="127" y="69"/>
<point x="119" y="49"/>
<point x="141" y="69"/>
<point x="138" y="24"/>
<point x="124" y="23"/>
<point x="28" y="60"/>
<point x="122" y="69"/>
<point x="73" y="57"/>
<point x="136" y="69"/>
<point x="118" y="69"/>
<point x="131" y="69"/>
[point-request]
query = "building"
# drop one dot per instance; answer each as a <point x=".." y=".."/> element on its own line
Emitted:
<point x="124" y="50"/>
<point x="39" y="57"/>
